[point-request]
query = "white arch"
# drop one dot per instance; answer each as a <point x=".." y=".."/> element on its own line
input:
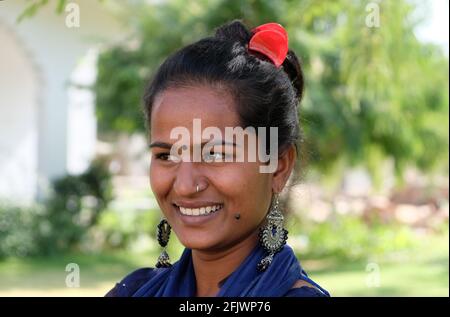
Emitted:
<point x="20" y="87"/>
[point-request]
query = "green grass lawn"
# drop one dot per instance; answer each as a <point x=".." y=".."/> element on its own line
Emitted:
<point x="422" y="271"/>
<point x="46" y="276"/>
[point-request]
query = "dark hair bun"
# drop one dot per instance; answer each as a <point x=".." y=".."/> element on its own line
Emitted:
<point x="291" y="66"/>
<point x="236" y="31"/>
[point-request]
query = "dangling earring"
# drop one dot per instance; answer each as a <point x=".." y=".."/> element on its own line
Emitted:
<point x="272" y="236"/>
<point x="163" y="235"/>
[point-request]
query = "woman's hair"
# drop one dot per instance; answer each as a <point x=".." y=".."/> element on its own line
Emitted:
<point x="265" y="96"/>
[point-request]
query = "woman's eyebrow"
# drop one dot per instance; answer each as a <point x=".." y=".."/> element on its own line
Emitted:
<point x="161" y="145"/>
<point x="168" y="146"/>
<point x="218" y="142"/>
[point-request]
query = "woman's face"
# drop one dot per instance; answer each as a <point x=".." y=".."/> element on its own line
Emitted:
<point x="236" y="187"/>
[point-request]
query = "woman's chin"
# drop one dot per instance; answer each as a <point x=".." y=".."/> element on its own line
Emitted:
<point x="200" y="243"/>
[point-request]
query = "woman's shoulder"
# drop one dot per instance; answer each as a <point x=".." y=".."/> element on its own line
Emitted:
<point x="131" y="283"/>
<point x="305" y="291"/>
<point x="305" y="287"/>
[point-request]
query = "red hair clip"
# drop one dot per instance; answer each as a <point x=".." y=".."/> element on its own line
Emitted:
<point x="271" y="40"/>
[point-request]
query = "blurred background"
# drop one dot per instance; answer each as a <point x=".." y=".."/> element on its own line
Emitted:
<point x="368" y="203"/>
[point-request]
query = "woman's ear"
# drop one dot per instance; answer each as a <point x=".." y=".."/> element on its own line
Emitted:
<point x="286" y="163"/>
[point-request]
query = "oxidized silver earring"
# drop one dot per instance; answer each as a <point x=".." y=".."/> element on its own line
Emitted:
<point x="163" y="235"/>
<point x="272" y="236"/>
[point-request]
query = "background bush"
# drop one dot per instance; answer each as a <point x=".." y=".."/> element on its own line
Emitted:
<point x="351" y="238"/>
<point x="60" y="222"/>
<point x="18" y="230"/>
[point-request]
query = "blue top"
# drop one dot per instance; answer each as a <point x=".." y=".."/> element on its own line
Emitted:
<point x="246" y="281"/>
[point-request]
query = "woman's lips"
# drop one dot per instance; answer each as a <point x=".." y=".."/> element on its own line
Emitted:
<point x="201" y="210"/>
<point x="199" y="214"/>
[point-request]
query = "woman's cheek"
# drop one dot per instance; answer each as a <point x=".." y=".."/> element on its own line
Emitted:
<point x="159" y="180"/>
<point x="241" y="181"/>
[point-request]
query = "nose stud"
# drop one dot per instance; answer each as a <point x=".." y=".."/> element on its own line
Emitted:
<point x="199" y="188"/>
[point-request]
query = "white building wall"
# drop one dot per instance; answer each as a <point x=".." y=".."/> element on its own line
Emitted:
<point x="82" y="125"/>
<point x="56" y="49"/>
<point x="18" y="120"/>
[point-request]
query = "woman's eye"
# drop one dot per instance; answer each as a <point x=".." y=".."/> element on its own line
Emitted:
<point x="214" y="157"/>
<point x="165" y="157"/>
<point x="162" y="156"/>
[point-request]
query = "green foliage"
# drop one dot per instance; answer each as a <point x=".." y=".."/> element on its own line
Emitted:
<point x="120" y="70"/>
<point x="351" y="238"/>
<point x="74" y="206"/>
<point x="384" y="104"/>
<point x="18" y="226"/>
<point x="36" y="5"/>
<point x="123" y="229"/>
<point x="64" y="218"/>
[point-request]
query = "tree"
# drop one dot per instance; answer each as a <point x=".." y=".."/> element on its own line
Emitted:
<point x="373" y="92"/>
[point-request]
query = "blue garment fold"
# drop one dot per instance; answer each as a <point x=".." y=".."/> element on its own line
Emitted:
<point x="245" y="281"/>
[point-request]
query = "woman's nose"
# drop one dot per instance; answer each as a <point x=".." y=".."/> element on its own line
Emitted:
<point x="186" y="179"/>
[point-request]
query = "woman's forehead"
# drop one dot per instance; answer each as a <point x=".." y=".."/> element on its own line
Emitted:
<point x="178" y="107"/>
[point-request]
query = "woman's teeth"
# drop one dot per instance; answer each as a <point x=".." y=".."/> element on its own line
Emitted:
<point x="202" y="211"/>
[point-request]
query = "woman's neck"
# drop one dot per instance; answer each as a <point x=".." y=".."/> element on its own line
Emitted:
<point x="212" y="267"/>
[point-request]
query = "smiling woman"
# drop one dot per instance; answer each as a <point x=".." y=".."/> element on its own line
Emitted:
<point x="223" y="210"/>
